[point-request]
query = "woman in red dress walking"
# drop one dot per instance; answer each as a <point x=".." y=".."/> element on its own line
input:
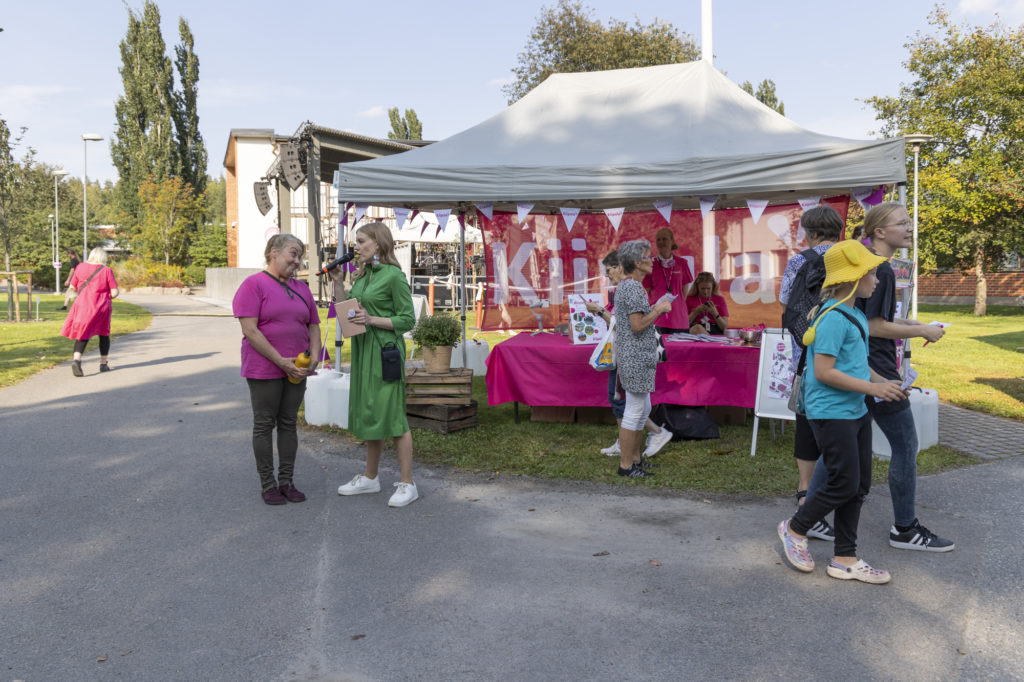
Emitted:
<point x="90" y="314"/>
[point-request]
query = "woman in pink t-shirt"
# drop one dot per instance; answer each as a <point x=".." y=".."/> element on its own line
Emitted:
<point x="670" y="275"/>
<point x="279" y="322"/>
<point x="707" y="309"/>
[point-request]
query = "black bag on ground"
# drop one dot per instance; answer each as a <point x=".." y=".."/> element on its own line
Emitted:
<point x="804" y="295"/>
<point x="685" y="423"/>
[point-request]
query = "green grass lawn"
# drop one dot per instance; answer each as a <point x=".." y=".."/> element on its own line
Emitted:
<point x="30" y="347"/>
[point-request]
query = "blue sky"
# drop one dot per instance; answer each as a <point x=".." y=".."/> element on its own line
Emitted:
<point x="342" y="64"/>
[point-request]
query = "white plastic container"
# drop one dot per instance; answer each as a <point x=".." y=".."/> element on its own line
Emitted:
<point x="317" y="399"/>
<point x="924" y="403"/>
<point x="337" y="401"/>
<point x="476" y="354"/>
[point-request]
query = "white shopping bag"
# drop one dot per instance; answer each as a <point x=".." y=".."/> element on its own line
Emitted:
<point x="603" y="357"/>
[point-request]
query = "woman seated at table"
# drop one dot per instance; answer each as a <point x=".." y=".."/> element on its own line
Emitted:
<point x="708" y="312"/>
<point x="658" y="436"/>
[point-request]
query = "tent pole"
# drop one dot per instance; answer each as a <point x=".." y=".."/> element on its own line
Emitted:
<point x="462" y="266"/>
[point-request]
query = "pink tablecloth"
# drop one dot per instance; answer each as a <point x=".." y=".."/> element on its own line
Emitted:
<point x="548" y="370"/>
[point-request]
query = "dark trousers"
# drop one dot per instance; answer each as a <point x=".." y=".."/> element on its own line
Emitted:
<point x="275" y="402"/>
<point x="104" y="345"/>
<point x="846" y="449"/>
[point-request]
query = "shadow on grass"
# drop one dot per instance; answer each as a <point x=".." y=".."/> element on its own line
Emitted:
<point x="1011" y="387"/>
<point x="1010" y="341"/>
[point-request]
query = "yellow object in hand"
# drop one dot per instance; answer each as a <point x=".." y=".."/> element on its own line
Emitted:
<point x="302" y="360"/>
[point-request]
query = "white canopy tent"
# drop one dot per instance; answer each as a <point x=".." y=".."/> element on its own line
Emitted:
<point x="622" y="138"/>
<point x="423" y="229"/>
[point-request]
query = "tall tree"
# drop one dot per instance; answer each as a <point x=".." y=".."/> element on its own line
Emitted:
<point x="967" y="91"/>
<point x="143" y="144"/>
<point x="170" y="213"/>
<point x="765" y="94"/>
<point x="406" y="127"/>
<point x="191" y="150"/>
<point x="566" y="39"/>
<point x="10" y="174"/>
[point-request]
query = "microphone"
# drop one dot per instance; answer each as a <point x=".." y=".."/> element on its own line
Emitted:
<point x="341" y="260"/>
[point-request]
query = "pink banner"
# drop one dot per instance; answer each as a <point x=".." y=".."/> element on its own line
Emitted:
<point x="539" y="260"/>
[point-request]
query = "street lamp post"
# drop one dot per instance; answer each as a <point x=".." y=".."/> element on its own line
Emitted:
<point x="86" y="139"/>
<point x="915" y="140"/>
<point x="57" y="175"/>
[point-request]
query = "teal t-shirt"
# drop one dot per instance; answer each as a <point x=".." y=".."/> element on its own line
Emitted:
<point x="836" y="335"/>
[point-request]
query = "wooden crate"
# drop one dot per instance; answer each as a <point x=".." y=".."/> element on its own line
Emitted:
<point x="442" y="418"/>
<point x="453" y="388"/>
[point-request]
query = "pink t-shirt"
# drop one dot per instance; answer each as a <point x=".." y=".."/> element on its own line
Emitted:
<point x="284" y="320"/>
<point x="672" y="280"/>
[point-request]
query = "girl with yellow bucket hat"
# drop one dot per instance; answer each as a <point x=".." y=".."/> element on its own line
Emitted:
<point x="835" y="382"/>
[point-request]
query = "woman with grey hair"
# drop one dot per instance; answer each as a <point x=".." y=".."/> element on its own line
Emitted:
<point x="95" y="289"/>
<point x="636" y="348"/>
<point x="279" y="322"/>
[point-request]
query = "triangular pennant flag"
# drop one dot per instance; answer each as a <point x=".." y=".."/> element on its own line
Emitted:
<point x="438" y="233"/>
<point x="343" y="219"/>
<point x="400" y="215"/>
<point x="462" y="220"/>
<point x="487" y="208"/>
<point x="569" y="216"/>
<point x="523" y="210"/>
<point x="706" y="204"/>
<point x="360" y="210"/>
<point x="424" y="228"/>
<point x="862" y="193"/>
<point x="348" y="205"/>
<point x="756" y="207"/>
<point x="614" y="216"/>
<point x="876" y="197"/>
<point x="808" y="203"/>
<point x="331" y="312"/>
<point x="442" y="215"/>
<point x="413" y="215"/>
<point x="664" y="207"/>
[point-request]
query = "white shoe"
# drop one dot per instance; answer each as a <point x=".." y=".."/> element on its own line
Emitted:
<point x="359" y="485"/>
<point x="613" y="450"/>
<point x="656" y="441"/>
<point x="405" y="494"/>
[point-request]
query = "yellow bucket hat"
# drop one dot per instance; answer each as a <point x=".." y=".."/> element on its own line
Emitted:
<point x="847" y="261"/>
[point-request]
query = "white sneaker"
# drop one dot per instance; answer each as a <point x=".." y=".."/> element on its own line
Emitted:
<point x="405" y="494"/>
<point x="612" y="450"/>
<point x="359" y="485"/>
<point x="656" y="441"/>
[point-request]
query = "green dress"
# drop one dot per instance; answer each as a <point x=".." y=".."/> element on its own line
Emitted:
<point x="376" y="408"/>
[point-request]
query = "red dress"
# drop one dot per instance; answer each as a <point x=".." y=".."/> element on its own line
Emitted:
<point x="90" y="314"/>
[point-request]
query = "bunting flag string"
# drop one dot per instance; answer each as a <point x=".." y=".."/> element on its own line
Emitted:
<point x="861" y="194"/>
<point x="438" y="233"/>
<point x="707" y="202"/>
<point x="360" y="210"/>
<point x="664" y="207"/>
<point x="442" y="215"/>
<point x="569" y="216"/>
<point x="614" y="216"/>
<point x="487" y="208"/>
<point x="400" y="216"/>
<point x="331" y="312"/>
<point x="876" y="197"/>
<point x="523" y="210"/>
<point x="756" y="208"/>
<point x="807" y="203"/>
<point x="424" y="228"/>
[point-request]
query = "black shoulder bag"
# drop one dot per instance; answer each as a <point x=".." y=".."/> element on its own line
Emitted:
<point x="390" y="359"/>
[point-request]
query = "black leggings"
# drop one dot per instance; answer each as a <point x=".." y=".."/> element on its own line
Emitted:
<point x="275" y="402"/>
<point x="104" y="345"/>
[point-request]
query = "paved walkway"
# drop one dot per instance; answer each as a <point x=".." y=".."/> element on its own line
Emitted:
<point x="134" y="545"/>
<point x="979" y="434"/>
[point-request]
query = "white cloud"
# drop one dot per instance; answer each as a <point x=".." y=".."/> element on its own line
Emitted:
<point x="22" y="100"/>
<point x="373" y="112"/>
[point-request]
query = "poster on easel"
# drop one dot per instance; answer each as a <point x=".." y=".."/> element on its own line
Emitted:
<point x="904" y="270"/>
<point x="585" y="327"/>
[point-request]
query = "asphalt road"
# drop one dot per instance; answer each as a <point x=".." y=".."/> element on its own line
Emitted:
<point x="134" y="545"/>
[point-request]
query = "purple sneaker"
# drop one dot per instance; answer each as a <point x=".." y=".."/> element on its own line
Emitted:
<point x="291" y="493"/>
<point x="273" y="496"/>
<point x="795" y="549"/>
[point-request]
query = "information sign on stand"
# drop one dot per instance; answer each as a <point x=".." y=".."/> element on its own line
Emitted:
<point x="585" y="327"/>
<point x="774" y="380"/>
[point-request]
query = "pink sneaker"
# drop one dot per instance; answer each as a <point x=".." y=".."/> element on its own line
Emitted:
<point x="795" y="549"/>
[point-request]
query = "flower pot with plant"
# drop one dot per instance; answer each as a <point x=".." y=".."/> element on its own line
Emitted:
<point x="437" y="335"/>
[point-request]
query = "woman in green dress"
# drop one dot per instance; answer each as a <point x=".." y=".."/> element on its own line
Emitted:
<point x="376" y="408"/>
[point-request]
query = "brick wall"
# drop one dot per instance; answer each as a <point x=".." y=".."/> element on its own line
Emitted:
<point x="1009" y="284"/>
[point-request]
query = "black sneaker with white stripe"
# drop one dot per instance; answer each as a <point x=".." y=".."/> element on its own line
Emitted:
<point x="919" y="538"/>
<point x="822" y="530"/>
